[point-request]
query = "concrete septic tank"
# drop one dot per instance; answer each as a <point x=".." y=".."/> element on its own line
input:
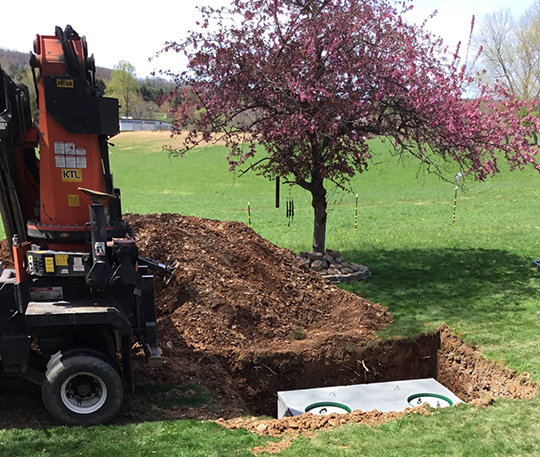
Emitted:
<point x="382" y="396"/>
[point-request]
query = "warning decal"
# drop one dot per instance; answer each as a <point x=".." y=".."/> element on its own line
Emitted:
<point x="73" y="200"/>
<point x="61" y="260"/>
<point x="46" y="293"/>
<point x="99" y="248"/>
<point x="49" y="265"/>
<point x="65" y="83"/>
<point x="78" y="264"/>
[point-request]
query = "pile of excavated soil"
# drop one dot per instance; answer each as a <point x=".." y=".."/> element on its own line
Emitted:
<point x="5" y="254"/>
<point x="230" y="314"/>
<point x="233" y="291"/>
<point x="306" y="422"/>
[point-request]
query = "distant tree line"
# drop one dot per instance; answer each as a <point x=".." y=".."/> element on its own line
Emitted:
<point x="16" y="65"/>
<point x="146" y="98"/>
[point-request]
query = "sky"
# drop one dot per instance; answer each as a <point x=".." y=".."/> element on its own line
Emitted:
<point x="134" y="31"/>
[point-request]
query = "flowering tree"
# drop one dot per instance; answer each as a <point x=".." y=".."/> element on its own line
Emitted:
<point x="312" y="81"/>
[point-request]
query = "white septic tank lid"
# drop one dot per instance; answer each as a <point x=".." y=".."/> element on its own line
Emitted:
<point x="383" y="396"/>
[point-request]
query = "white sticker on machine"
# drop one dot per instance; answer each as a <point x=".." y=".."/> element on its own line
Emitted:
<point x="68" y="155"/>
<point x="70" y="148"/>
<point x="60" y="161"/>
<point x="59" y="147"/>
<point x="71" y="162"/>
<point x="99" y="248"/>
<point x="78" y="264"/>
<point x="81" y="162"/>
<point x="46" y="293"/>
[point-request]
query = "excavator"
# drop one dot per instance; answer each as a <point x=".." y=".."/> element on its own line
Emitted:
<point x="79" y="296"/>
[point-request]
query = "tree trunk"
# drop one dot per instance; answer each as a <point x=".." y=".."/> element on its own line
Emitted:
<point x="318" y="201"/>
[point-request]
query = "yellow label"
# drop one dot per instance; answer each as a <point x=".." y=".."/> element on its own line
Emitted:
<point x="71" y="175"/>
<point x="73" y="200"/>
<point x="65" y="83"/>
<point x="49" y="265"/>
<point x="61" y="260"/>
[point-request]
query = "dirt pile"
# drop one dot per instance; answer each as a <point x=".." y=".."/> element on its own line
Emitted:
<point x="234" y="291"/>
<point x="5" y="254"/>
<point x="235" y="296"/>
<point x="306" y="422"/>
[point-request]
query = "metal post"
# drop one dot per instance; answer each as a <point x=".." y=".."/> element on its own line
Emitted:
<point x="455" y="207"/>
<point x="356" y="216"/>
<point x="98" y="228"/>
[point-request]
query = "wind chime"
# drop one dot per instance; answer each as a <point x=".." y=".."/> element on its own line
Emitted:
<point x="289" y="211"/>
<point x="290" y="208"/>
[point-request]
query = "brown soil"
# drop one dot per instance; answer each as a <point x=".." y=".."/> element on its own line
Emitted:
<point x="235" y="296"/>
<point x="227" y="323"/>
<point x="156" y="141"/>
<point x="234" y="292"/>
<point x="5" y="254"/>
<point x="474" y="379"/>
<point x="299" y="424"/>
<point x="442" y="356"/>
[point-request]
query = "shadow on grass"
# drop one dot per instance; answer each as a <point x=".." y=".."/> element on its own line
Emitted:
<point x="445" y="285"/>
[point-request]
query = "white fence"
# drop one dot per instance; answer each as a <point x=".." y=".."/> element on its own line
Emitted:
<point x="135" y="125"/>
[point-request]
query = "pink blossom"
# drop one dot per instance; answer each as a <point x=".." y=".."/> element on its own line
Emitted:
<point x="313" y="82"/>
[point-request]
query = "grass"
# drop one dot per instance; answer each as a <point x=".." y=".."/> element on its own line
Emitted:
<point x="477" y="276"/>
<point x="175" y="439"/>
<point x="458" y="431"/>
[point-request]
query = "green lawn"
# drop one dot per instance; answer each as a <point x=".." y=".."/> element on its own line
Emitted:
<point x="476" y="276"/>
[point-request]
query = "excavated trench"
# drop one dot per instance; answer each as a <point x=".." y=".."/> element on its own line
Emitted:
<point x="442" y="356"/>
<point x="260" y="376"/>
<point x="228" y="317"/>
<point x="229" y="387"/>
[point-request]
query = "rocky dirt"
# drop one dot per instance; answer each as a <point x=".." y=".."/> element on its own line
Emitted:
<point x="242" y="319"/>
